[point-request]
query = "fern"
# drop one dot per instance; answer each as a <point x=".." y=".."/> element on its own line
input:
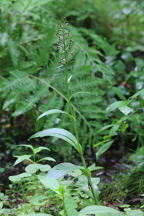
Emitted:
<point x="35" y="80"/>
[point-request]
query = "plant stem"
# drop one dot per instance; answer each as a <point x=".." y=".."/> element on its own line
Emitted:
<point x="64" y="208"/>
<point x="96" y="200"/>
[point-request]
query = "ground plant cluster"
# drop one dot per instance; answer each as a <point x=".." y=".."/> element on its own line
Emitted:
<point x="71" y="108"/>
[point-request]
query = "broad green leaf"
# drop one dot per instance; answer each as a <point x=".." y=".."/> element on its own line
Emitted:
<point x="53" y="111"/>
<point x="130" y="212"/>
<point x="70" y="205"/>
<point x="101" y="211"/>
<point x="22" y="158"/>
<point x="62" y="134"/>
<point x="49" y="182"/>
<point x="17" y="178"/>
<point x="103" y="149"/>
<point x="47" y="159"/>
<point x="61" y="170"/>
<point x="33" y="168"/>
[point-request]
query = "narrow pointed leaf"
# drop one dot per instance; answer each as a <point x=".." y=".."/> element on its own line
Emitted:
<point x="53" y="111"/>
<point x="103" y="149"/>
<point x="27" y="146"/>
<point x="141" y="92"/>
<point x="39" y="149"/>
<point x="47" y="159"/>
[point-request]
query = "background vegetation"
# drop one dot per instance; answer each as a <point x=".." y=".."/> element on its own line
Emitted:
<point x="106" y="84"/>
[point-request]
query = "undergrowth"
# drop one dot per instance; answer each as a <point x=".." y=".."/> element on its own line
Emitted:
<point x="90" y="92"/>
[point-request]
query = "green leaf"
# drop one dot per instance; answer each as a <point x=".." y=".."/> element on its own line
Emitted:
<point x="95" y="182"/>
<point x="39" y="149"/>
<point x="125" y="110"/>
<point x="33" y="168"/>
<point x="22" y="158"/>
<point x="119" y="93"/>
<point x="53" y="111"/>
<point x="114" y="130"/>
<point x="100" y="143"/>
<point x="37" y="214"/>
<point x="86" y="172"/>
<point x="1" y="205"/>
<point x="62" y="134"/>
<point x="139" y="93"/>
<point x="93" y="167"/>
<point x="38" y="199"/>
<point x="8" y="102"/>
<point x="17" y="178"/>
<point x="101" y="211"/>
<point x="49" y="182"/>
<point x="103" y="149"/>
<point x="70" y="205"/>
<point x="44" y="167"/>
<point x="130" y="212"/>
<point x="47" y="159"/>
<point x="61" y="170"/>
<point x="125" y="206"/>
<point x="27" y="146"/>
<point x="115" y="105"/>
<point x="121" y="105"/>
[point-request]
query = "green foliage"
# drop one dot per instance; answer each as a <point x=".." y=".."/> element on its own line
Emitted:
<point x="33" y="82"/>
<point x="33" y="75"/>
<point x="102" y="101"/>
<point x="42" y="190"/>
<point x="101" y="211"/>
